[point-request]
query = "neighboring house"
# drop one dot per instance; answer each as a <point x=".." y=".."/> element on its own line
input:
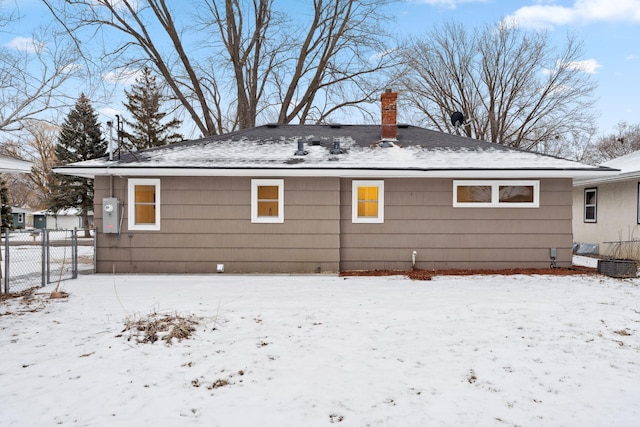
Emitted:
<point x="11" y="165"/>
<point x="606" y="210"/>
<point x="65" y="219"/>
<point x="329" y="198"/>
<point x="22" y="218"/>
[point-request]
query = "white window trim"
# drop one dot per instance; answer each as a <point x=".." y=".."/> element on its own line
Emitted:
<point x="132" y="182"/>
<point x="595" y="206"/>
<point x="495" y="194"/>
<point x="255" y="183"/>
<point x="354" y="202"/>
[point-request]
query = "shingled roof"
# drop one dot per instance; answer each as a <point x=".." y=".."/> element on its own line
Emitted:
<point x="334" y="150"/>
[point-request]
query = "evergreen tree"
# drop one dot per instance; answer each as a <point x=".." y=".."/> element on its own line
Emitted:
<point x="80" y="139"/>
<point x="5" y="211"/>
<point x="144" y="102"/>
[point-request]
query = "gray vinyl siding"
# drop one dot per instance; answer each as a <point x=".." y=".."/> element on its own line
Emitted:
<point x="206" y="221"/>
<point x="419" y="216"/>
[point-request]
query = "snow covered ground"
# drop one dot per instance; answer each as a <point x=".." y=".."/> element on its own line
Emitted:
<point x="321" y="350"/>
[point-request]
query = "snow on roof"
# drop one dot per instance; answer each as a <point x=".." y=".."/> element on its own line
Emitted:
<point x="416" y="149"/>
<point x="62" y="212"/>
<point x="11" y="165"/>
<point x="628" y="166"/>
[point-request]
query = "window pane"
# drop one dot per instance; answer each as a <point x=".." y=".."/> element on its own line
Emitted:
<point x="590" y="213"/>
<point x="268" y="200"/>
<point x="368" y="194"/>
<point x="268" y="192"/>
<point x="516" y="194"/>
<point x="268" y="208"/>
<point x="474" y="194"/>
<point x="145" y="209"/>
<point x="368" y="202"/>
<point x="368" y="209"/>
<point x="145" y="194"/>
<point x="145" y="214"/>
<point x="590" y="197"/>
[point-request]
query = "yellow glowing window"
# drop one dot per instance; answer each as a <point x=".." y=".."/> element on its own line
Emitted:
<point x="144" y="204"/>
<point x="368" y="201"/>
<point x="267" y="200"/>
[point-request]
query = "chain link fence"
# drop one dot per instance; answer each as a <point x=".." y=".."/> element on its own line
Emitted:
<point x="38" y="257"/>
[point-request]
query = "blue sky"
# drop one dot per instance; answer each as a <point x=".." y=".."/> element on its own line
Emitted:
<point x="610" y="30"/>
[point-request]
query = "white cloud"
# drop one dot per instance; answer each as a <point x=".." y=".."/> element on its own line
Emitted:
<point x="123" y="76"/>
<point x="631" y="57"/>
<point x="450" y="4"/>
<point x="589" y="66"/>
<point x="25" y="44"/>
<point x="581" y="12"/>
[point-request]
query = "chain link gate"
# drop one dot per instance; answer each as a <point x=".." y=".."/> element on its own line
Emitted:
<point x="38" y="257"/>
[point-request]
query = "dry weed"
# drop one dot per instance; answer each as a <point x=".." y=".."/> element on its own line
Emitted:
<point x="165" y="327"/>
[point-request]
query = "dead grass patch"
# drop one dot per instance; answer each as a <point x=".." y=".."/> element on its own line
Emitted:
<point x="164" y="327"/>
<point x="21" y="303"/>
<point x="26" y="294"/>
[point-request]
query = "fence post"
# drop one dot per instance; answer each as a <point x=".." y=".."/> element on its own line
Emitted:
<point x="74" y="253"/>
<point x="6" y="262"/>
<point x="95" y="250"/>
<point x="45" y="257"/>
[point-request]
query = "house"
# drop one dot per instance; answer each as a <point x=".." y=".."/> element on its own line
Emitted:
<point x="606" y="210"/>
<point x="22" y="218"/>
<point x="64" y="219"/>
<point x="11" y="165"/>
<point x="329" y="198"/>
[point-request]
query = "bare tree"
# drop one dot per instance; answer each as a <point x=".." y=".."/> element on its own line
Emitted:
<point x="38" y="147"/>
<point x="32" y="73"/>
<point x="624" y="141"/>
<point x="513" y="86"/>
<point x="257" y="59"/>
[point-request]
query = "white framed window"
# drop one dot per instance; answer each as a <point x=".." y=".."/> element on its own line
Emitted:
<point x="144" y="204"/>
<point x="367" y="202"/>
<point x="267" y="200"/>
<point x="590" y="204"/>
<point x="496" y="194"/>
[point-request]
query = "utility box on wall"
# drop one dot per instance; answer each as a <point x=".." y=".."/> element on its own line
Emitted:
<point x="110" y="215"/>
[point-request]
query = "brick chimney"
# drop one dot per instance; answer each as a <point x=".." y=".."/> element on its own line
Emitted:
<point x="388" y="101"/>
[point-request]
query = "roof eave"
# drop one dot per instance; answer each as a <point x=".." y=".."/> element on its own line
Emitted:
<point x="607" y="179"/>
<point x="11" y="165"/>
<point x="577" y="173"/>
